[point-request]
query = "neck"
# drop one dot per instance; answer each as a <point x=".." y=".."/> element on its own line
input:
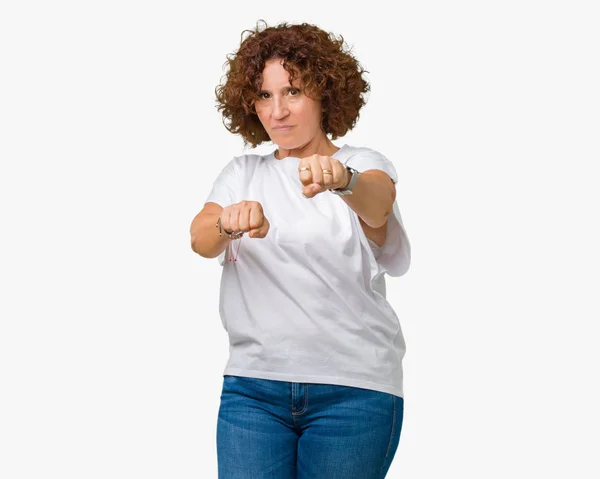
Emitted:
<point x="322" y="146"/>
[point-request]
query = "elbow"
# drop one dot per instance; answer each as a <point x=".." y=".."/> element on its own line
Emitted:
<point x="193" y="244"/>
<point x="381" y="220"/>
<point x="389" y="207"/>
<point x="378" y="222"/>
<point x="202" y="252"/>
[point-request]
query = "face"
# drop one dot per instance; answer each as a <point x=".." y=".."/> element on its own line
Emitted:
<point x="292" y="119"/>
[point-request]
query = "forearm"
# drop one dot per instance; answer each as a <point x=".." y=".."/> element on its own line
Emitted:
<point x="205" y="239"/>
<point x="372" y="197"/>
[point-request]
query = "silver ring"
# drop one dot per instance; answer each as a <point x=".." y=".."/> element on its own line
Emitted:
<point x="304" y="169"/>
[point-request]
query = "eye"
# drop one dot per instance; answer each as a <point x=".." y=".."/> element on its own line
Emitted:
<point x="294" y="92"/>
<point x="263" y="95"/>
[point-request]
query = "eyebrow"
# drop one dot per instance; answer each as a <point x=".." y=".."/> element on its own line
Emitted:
<point x="290" y="87"/>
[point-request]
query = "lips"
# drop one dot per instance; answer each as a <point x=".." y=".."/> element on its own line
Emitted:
<point x="282" y="127"/>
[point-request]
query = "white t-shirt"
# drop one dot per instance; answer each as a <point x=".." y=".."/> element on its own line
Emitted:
<point x="307" y="302"/>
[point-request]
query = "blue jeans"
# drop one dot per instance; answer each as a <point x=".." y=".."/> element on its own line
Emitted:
<point x="285" y="430"/>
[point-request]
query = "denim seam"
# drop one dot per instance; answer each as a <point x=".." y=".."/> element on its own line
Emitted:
<point x="298" y="413"/>
<point x="391" y="434"/>
<point x="393" y="426"/>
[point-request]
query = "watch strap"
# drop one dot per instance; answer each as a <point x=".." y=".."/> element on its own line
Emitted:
<point x="348" y="190"/>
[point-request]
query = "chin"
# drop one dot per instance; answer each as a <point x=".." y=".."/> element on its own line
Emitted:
<point x="286" y="146"/>
<point x="289" y="144"/>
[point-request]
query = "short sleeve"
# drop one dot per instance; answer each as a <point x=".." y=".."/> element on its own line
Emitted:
<point x="225" y="186"/>
<point x="367" y="159"/>
<point x="394" y="256"/>
<point x="224" y="192"/>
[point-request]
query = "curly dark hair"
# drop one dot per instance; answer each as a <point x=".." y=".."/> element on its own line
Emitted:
<point x="323" y="63"/>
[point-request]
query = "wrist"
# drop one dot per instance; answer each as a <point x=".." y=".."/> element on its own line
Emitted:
<point x="352" y="178"/>
<point x="346" y="181"/>
<point x="228" y="234"/>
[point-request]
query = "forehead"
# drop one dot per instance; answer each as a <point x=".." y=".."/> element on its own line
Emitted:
<point x="274" y="75"/>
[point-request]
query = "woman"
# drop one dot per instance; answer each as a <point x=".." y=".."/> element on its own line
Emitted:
<point x="313" y="385"/>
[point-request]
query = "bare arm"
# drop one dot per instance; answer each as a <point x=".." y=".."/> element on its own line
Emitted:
<point x="372" y="199"/>
<point x="245" y="216"/>
<point x="377" y="235"/>
<point x="204" y="234"/>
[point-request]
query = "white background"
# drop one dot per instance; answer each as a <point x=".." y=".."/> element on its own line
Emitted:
<point x="111" y="346"/>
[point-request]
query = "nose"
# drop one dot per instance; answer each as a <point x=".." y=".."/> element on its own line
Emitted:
<point x="280" y="108"/>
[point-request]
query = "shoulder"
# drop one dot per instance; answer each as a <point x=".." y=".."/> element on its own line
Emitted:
<point x="248" y="161"/>
<point x="239" y="165"/>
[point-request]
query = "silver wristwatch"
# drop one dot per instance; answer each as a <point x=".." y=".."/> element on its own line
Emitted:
<point x="348" y="190"/>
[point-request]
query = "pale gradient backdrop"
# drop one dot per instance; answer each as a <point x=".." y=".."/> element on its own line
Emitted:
<point x="111" y="346"/>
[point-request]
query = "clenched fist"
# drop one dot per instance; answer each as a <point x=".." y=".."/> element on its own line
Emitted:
<point x="246" y="216"/>
<point x="320" y="173"/>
